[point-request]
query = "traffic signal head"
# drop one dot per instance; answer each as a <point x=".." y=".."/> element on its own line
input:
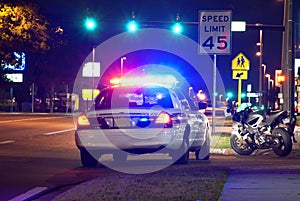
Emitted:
<point x="279" y="78"/>
<point x="90" y="24"/>
<point x="132" y="26"/>
<point x="229" y="95"/>
<point x="177" y="28"/>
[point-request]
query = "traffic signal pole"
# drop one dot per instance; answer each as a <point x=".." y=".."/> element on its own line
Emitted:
<point x="287" y="58"/>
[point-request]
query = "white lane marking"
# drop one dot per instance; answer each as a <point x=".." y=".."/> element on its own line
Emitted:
<point x="30" y="193"/>
<point x="28" y="119"/>
<point x="57" y="132"/>
<point x="50" y="133"/>
<point x="7" y="142"/>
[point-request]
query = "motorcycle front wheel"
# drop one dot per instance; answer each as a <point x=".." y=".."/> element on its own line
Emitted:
<point x="240" y="146"/>
<point x="282" y="142"/>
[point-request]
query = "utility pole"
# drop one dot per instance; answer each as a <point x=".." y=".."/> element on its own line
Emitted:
<point x="52" y="98"/>
<point x="261" y="76"/>
<point x="287" y="57"/>
<point x="11" y="99"/>
<point x="32" y="97"/>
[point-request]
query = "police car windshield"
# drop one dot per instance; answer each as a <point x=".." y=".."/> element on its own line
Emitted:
<point x="133" y="98"/>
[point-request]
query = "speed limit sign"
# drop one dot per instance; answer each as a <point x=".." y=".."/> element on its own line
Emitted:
<point x="215" y="32"/>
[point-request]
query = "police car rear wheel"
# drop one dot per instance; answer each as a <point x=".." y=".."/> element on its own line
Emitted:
<point x="87" y="159"/>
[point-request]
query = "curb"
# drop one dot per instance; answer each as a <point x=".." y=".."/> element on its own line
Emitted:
<point x="222" y="151"/>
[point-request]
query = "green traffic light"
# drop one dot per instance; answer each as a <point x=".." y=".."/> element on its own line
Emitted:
<point x="177" y="28"/>
<point x="132" y="26"/>
<point x="90" y="24"/>
<point x="229" y="95"/>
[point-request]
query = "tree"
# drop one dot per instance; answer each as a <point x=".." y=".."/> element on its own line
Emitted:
<point x="22" y="29"/>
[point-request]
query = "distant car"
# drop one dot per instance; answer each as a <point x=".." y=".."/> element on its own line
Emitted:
<point x="220" y="108"/>
<point x="142" y="119"/>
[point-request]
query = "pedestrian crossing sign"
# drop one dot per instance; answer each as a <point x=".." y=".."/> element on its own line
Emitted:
<point x="240" y="62"/>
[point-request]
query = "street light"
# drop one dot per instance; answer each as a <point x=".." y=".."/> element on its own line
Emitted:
<point x="268" y="76"/>
<point x="272" y="83"/>
<point x="263" y="83"/>
<point x="220" y="97"/>
<point x="260" y="54"/>
<point x="264" y="68"/>
<point x="122" y="65"/>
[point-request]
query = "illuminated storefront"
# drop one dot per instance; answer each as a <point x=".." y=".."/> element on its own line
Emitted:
<point x="297" y="55"/>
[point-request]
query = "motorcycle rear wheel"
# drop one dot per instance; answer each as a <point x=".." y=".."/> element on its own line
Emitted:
<point x="284" y="144"/>
<point x="240" y="146"/>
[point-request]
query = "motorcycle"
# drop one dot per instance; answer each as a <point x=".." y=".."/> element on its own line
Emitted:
<point x="253" y="131"/>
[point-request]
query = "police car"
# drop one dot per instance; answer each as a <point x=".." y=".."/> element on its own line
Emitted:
<point x="141" y="118"/>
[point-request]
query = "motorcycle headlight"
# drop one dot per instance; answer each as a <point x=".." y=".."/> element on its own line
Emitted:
<point x="286" y="120"/>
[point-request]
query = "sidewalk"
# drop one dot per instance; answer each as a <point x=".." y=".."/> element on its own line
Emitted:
<point x="262" y="185"/>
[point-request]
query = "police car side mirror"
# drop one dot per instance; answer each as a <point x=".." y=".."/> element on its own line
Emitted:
<point x="202" y="105"/>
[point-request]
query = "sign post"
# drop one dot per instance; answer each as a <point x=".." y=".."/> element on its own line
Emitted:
<point x="240" y="66"/>
<point x="214" y="39"/>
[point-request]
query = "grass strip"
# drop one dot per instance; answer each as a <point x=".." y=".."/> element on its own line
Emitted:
<point x="177" y="182"/>
<point x="220" y="140"/>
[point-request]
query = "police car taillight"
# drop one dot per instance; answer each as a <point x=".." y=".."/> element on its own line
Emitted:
<point x="164" y="118"/>
<point x="82" y="120"/>
<point x="114" y="81"/>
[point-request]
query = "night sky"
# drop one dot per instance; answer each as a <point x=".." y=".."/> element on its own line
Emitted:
<point x="113" y="15"/>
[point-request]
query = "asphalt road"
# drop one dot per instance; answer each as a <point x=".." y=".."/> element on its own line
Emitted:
<point x="38" y="153"/>
<point x="34" y="149"/>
